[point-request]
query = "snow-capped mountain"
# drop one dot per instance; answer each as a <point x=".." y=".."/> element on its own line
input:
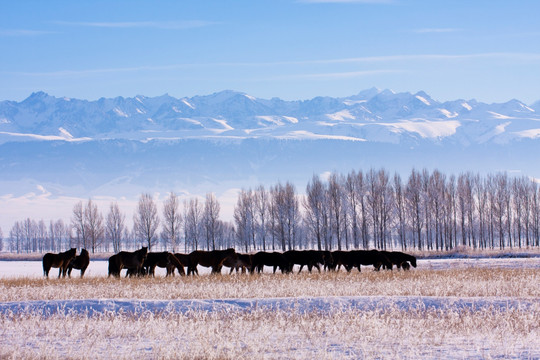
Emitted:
<point x="372" y="115"/>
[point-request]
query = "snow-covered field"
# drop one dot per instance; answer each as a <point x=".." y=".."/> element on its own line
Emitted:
<point x="445" y="308"/>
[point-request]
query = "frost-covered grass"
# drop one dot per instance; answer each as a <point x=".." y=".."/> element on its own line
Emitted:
<point x="437" y="310"/>
<point x="469" y="282"/>
<point x="340" y="334"/>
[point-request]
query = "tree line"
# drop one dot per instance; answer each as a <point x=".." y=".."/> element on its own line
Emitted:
<point x="428" y="210"/>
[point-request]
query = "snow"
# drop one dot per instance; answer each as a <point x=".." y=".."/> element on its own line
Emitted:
<point x="224" y="124"/>
<point x="187" y="103"/>
<point x="531" y="134"/>
<point x="448" y="114"/>
<point x="349" y="102"/>
<point x="326" y="304"/>
<point x="307" y="135"/>
<point x="466" y="106"/>
<point x="341" y="116"/>
<point x="33" y="269"/>
<point x="423" y="99"/>
<point x="44" y="137"/>
<point x="303" y="327"/>
<point x="120" y="112"/>
<point x="500" y="116"/>
<point x="428" y="129"/>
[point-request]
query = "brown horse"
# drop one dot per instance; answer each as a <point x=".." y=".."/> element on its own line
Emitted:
<point x="79" y="262"/>
<point x="164" y="260"/>
<point x="133" y="261"/>
<point x="213" y="259"/>
<point x="60" y="261"/>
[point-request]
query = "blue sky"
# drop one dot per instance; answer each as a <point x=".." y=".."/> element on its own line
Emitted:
<point x="486" y="50"/>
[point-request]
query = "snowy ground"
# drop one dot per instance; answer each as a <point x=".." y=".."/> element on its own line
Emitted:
<point x="274" y="327"/>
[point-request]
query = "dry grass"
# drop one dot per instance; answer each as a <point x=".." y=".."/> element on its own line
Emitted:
<point x="470" y="282"/>
<point x="344" y="334"/>
<point x="451" y="332"/>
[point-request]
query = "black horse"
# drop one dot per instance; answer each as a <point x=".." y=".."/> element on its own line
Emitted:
<point x="60" y="261"/>
<point x="356" y="258"/>
<point x="274" y="259"/>
<point x="309" y="258"/>
<point x="133" y="261"/>
<point x="79" y="262"/>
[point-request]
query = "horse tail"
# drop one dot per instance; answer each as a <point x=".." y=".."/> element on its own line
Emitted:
<point x="46" y="265"/>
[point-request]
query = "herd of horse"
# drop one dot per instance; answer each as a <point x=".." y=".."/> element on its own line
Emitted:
<point x="142" y="262"/>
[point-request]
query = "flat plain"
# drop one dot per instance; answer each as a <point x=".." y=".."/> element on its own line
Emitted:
<point x="445" y="308"/>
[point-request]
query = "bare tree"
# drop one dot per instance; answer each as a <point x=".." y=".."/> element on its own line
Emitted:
<point x="93" y="221"/>
<point x="286" y="214"/>
<point x="316" y="211"/>
<point x="77" y="223"/>
<point x="193" y="211"/>
<point x="352" y="196"/>
<point x="244" y="218"/>
<point x="413" y="201"/>
<point x="146" y="220"/>
<point x="16" y="236"/>
<point x="335" y="197"/>
<point x="115" y="226"/>
<point x="261" y="202"/>
<point x="172" y="221"/>
<point x="211" y="220"/>
<point x="399" y="201"/>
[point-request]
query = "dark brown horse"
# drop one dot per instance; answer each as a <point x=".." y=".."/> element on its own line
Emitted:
<point x="398" y="258"/>
<point x="164" y="260"/>
<point x="133" y="261"/>
<point x="60" y="261"/>
<point x="213" y="259"/>
<point x="237" y="262"/>
<point x="79" y="262"/>
<point x="309" y="258"/>
<point x="184" y="260"/>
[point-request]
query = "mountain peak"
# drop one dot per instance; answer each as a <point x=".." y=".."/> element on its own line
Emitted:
<point x="36" y="96"/>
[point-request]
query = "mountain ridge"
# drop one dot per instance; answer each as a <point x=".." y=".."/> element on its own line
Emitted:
<point x="371" y="115"/>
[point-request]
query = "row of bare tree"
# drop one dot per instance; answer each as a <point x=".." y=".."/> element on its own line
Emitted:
<point x="371" y="209"/>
